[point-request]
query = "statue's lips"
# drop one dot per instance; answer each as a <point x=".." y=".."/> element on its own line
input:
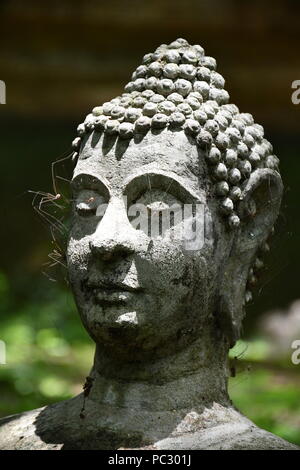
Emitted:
<point x="113" y="292"/>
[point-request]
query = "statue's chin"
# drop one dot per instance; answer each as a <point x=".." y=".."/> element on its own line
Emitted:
<point x="115" y="324"/>
<point x="123" y="332"/>
<point x="134" y="323"/>
<point x="117" y="316"/>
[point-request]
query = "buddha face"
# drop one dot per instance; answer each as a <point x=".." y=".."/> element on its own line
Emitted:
<point x="139" y="289"/>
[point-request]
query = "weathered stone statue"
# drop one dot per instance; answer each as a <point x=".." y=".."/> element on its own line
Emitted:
<point x="163" y="308"/>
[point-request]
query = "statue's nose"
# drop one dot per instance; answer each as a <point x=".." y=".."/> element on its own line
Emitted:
<point x="114" y="235"/>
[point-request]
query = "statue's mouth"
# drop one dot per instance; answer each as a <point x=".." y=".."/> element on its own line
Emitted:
<point x="117" y="286"/>
<point x="108" y="297"/>
<point x="111" y="292"/>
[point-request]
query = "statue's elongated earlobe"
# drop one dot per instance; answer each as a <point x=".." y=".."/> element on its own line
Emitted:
<point x="258" y="211"/>
<point x="230" y="318"/>
<point x="259" y="206"/>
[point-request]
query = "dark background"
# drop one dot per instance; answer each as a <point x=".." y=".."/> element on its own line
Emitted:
<point x="61" y="58"/>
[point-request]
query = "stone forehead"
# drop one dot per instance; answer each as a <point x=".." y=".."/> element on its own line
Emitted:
<point x="168" y="152"/>
<point x="178" y="87"/>
<point x="166" y="145"/>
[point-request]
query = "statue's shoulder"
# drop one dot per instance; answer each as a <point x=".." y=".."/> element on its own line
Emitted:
<point x="18" y="432"/>
<point x="226" y="437"/>
<point x="259" y="439"/>
<point x="225" y="429"/>
<point x="39" y="429"/>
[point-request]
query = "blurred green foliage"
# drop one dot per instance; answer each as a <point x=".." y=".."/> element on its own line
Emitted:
<point x="265" y="390"/>
<point x="49" y="354"/>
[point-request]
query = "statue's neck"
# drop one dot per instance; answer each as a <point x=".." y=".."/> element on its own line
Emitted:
<point x="170" y="388"/>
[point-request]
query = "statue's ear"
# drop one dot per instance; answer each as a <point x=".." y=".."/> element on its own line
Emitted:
<point x="258" y="210"/>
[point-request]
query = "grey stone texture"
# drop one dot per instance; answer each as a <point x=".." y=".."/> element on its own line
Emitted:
<point x="163" y="317"/>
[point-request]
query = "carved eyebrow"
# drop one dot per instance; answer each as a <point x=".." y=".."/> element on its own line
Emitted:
<point x="87" y="181"/>
<point x="163" y="180"/>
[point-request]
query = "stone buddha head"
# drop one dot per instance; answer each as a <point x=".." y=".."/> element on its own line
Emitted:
<point x="169" y="149"/>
